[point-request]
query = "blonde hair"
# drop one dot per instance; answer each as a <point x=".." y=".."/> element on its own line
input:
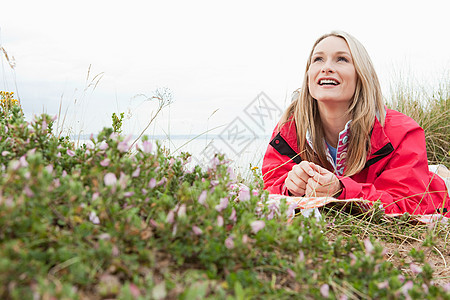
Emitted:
<point x="366" y="104"/>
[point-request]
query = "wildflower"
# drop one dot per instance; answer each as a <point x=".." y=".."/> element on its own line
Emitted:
<point x="383" y="285"/>
<point x="300" y="239"/>
<point x="229" y="243"/>
<point x="406" y="287"/>
<point x="105" y="162"/>
<point x="170" y="217"/>
<point x="152" y="183"/>
<point x="5" y="153"/>
<point x="103" y="146"/>
<point x="425" y="288"/>
<point x="128" y="194"/>
<point x="369" y="246"/>
<point x="182" y="211"/>
<point x="291" y="273"/>
<point x="28" y="192"/>
<point x="197" y="230"/>
<point x="415" y="269"/>
<point x="147" y="146"/>
<point x="162" y="181"/>
<point x="233" y="215"/>
<point x="93" y="218"/>
<point x="23" y="162"/>
<point x="70" y="152"/>
<point x="301" y="255"/>
<point x="219" y="221"/>
<point x="136" y="172"/>
<point x="104" y="236"/>
<point x="245" y="239"/>
<point x="110" y="179"/>
<point x="244" y="193"/>
<point x="231" y="174"/>
<point x="123" y="146"/>
<point x="95" y="196"/>
<point x="123" y="180"/>
<point x="257" y="225"/>
<point x="222" y="205"/>
<point x="325" y="290"/>
<point x="202" y="198"/>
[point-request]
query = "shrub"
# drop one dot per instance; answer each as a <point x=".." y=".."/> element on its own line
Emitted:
<point x="106" y="221"/>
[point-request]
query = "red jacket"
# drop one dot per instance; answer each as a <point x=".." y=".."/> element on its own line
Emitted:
<point x="396" y="171"/>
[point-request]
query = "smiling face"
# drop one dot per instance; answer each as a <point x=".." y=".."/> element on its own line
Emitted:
<point x="331" y="74"/>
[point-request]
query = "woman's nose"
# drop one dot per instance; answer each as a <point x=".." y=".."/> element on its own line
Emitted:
<point x="327" y="67"/>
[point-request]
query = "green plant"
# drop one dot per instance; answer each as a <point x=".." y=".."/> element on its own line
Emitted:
<point x="100" y="221"/>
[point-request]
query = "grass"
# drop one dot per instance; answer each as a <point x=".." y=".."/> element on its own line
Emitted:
<point x="430" y="108"/>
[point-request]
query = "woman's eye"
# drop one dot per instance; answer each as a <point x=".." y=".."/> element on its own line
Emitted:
<point x="341" y="58"/>
<point x="315" y="59"/>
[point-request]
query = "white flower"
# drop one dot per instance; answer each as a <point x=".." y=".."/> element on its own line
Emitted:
<point x="93" y="217"/>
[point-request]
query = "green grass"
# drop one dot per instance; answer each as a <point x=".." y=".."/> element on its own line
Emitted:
<point x="430" y="108"/>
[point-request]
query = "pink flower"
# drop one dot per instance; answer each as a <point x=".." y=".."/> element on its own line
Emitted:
<point x="162" y="181"/>
<point x="103" y="146"/>
<point x="301" y="255"/>
<point x="147" y="146"/>
<point x="95" y="196"/>
<point x="415" y="268"/>
<point x="383" y="285"/>
<point x="202" y="198"/>
<point x="219" y="221"/>
<point x="197" y="230"/>
<point x="244" y="193"/>
<point x="406" y="287"/>
<point x="70" y="152"/>
<point x="229" y="243"/>
<point x="4" y="153"/>
<point x="105" y="162"/>
<point x="170" y="217"/>
<point x="257" y="225"/>
<point x="152" y="183"/>
<point x="300" y="239"/>
<point x="233" y="215"/>
<point x="291" y="273"/>
<point x="136" y="172"/>
<point x="134" y="290"/>
<point x="23" y="162"/>
<point x="222" y="205"/>
<point x="369" y="246"/>
<point x="325" y="290"/>
<point x="123" y="146"/>
<point x="182" y="211"/>
<point x="110" y="179"/>
<point x="128" y="194"/>
<point x="245" y="239"/>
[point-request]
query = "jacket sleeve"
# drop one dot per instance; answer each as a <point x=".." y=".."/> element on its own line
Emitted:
<point x="403" y="184"/>
<point x="275" y="168"/>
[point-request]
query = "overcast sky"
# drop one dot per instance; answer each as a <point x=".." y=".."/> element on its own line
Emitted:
<point x="213" y="56"/>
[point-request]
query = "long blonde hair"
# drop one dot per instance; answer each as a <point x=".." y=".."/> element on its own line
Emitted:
<point x="366" y="104"/>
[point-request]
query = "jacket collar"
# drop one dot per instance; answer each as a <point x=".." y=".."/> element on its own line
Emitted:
<point x="381" y="146"/>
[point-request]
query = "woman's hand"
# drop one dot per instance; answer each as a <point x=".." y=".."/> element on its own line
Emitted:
<point x="323" y="183"/>
<point x="297" y="179"/>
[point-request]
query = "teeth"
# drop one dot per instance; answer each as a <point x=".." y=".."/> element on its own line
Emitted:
<point x="328" y="81"/>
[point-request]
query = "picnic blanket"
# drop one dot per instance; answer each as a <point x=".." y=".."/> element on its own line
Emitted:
<point x="309" y="206"/>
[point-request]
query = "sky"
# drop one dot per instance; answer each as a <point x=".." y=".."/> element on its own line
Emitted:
<point x="84" y="60"/>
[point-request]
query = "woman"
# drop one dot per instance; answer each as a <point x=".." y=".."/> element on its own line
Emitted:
<point x="337" y="139"/>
